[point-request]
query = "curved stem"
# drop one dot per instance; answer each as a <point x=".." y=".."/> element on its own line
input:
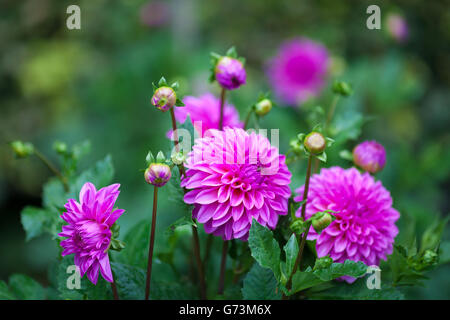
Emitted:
<point x="247" y="118"/>
<point x="222" y="104"/>
<point x="331" y="111"/>
<point x="151" y="244"/>
<point x="223" y="265"/>
<point x="305" y="191"/>
<point x="174" y="128"/>
<point x="52" y="168"/>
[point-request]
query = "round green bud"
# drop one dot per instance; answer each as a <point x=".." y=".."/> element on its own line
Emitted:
<point x="342" y="88"/>
<point x="315" y="142"/>
<point x="321" y="220"/>
<point x="323" y="263"/>
<point x="60" y="147"/>
<point x="178" y="158"/>
<point x="263" y="107"/>
<point x="22" y="149"/>
<point x="430" y="257"/>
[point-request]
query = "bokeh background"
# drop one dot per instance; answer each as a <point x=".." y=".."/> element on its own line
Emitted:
<point x="95" y="84"/>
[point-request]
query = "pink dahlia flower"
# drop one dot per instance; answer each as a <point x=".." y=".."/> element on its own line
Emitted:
<point x="204" y="111"/>
<point x="233" y="177"/>
<point x="88" y="232"/>
<point x="298" y="71"/>
<point x="364" y="228"/>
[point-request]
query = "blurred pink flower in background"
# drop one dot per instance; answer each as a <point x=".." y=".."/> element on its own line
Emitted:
<point x="298" y="70"/>
<point x="397" y="27"/>
<point x="234" y="177"/>
<point x="154" y="13"/>
<point x="364" y="229"/>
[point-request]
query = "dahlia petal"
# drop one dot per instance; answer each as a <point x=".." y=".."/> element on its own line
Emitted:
<point x="105" y="268"/>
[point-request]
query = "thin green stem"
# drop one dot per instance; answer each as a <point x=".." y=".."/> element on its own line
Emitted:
<point x="247" y="118"/>
<point x="305" y="234"/>
<point x="196" y="242"/>
<point x="331" y="111"/>
<point x="151" y="244"/>
<point x="222" y="104"/>
<point x="223" y="265"/>
<point x="113" y="283"/>
<point x="52" y="168"/>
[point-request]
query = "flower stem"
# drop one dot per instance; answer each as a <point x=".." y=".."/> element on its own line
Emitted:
<point x="201" y="274"/>
<point x="305" y="234"/>
<point x="151" y="245"/>
<point x="222" y="104"/>
<point x="223" y="267"/>
<point x="174" y="128"/>
<point x="196" y="242"/>
<point x="247" y="118"/>
<point x="52" y="168"/>
<point x="114" y="290"/>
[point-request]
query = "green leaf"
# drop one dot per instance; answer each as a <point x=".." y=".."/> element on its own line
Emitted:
<point x="26" y="288"/>
<point x="260" y="284"/>
<point x="100" y="175"/>
<point x="35" y="221"/>
<point x="357" y="291"/>
<point x="5" y="293"/>
<point x="130" y="281"/>
<point x="432" y="236"/>
<point x="54" y="195"/>
<point x="291" y="250"/>
<point x="232" y="53"/>
<point x="87" y="290"/>
<point x="136" y="250"/>
<point x="322" y="157"/>
<point x="264" y="248"/>
<point x="309" y="278"/>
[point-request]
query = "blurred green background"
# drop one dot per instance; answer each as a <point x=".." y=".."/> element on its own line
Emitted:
<point x="95" y="83"/>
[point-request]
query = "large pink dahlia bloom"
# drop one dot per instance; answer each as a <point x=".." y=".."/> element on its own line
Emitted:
<point x="88" y="232"/>
<point x="204" y="112"/>
<point x="364" y="229"/>
<point x="233" y="177"/>
<point x="298" y="71"/>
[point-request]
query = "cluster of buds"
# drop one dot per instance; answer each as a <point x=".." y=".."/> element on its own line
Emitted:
<point x="165" y="96"/>
<point x="313" y="143"/>
<point x="22" y="149"/>
<point x="228" y="70"/>
<point x="158" y="172"/>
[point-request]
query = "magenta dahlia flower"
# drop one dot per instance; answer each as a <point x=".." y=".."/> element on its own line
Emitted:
<point x="88" y="232"/>
<point x="230" y="73"/>
<point x="298" y="71"/>
<point x="364" y="228"/>
<point x="370" y="156"/>
<point x="204" y="112"/>
<point x="233" y="177"/>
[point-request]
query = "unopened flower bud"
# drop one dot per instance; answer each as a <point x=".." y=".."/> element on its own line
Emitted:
<point x="178" y="158"/>
<point x="298" y="226"/>
<point x="22" y="149"/>
<point x="369" y="156"/>
<point x="263" y="107"/>
<point x="430" y="257"/>
<point x="157" y="174"/>
<point x="323" y="263"/>
<point x="315" y="142"/>
<point x="164" y="98"/>
<point x="321" y="220"/>
<point x="342" y="88"/>
<point x="60" y="147"/>
<point x="230" y="73"/>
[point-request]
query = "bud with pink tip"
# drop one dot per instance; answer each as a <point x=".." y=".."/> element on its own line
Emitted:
<point x="157" y="174"/>
<point x="369" y="156"/>
<point x="228" y="70"/>
<point x="165" y="96"/>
